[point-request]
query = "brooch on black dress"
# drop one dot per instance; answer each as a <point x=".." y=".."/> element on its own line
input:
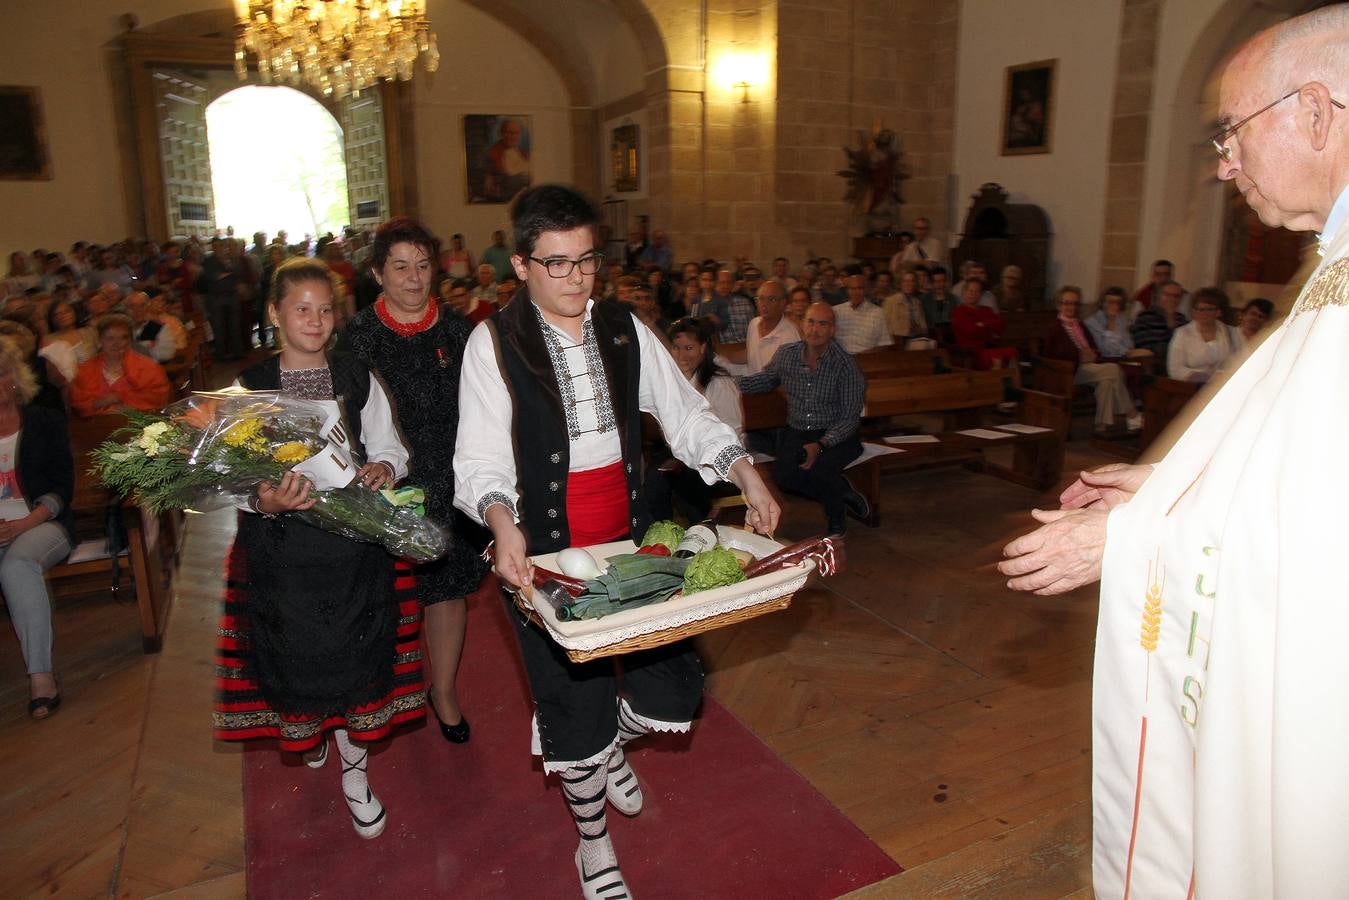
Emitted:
<point x="442" y="359"/>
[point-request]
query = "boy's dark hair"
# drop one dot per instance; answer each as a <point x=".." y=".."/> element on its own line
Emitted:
<point x="549" y="207"/>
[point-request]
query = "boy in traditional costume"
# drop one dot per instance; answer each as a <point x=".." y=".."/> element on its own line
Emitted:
<point x="549" y="456"/>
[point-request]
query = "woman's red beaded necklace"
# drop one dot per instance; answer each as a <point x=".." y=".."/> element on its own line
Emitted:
<point x="406" y="329"/>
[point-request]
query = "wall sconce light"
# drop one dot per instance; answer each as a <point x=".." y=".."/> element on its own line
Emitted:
<point x="741" y="70"/>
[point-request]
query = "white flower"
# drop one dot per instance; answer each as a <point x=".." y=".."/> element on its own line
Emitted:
<point x="149" y="437"/>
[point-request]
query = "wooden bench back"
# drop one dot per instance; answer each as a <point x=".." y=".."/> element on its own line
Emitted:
<point x="904" y="395"/>
<point x="890" y="361"/>
<point x="895" y="395"/>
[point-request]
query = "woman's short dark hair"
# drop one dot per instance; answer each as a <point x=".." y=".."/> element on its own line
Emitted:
<point x="705" y="333"/>
<point x="549" y="207"/>
<point x="1261" y="304"/>
<point x="55" y="306"/>
<point x="1213" y="295"/>
<point x="402" y="230"/>
<point x="299" y="270"/>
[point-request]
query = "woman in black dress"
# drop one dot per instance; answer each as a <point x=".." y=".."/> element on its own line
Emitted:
<point x="417" y="352"/>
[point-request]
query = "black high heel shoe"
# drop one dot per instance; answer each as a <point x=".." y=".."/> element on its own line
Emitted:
<point x="455" y="734"/>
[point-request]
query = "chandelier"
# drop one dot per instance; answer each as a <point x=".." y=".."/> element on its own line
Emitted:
<point x="338" y="47"/>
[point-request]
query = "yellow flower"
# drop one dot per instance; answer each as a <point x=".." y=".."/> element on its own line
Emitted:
<point x="291" y="452"/>
<point x="243" y="433"/>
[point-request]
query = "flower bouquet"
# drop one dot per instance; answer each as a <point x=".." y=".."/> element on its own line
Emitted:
<point x="214" y="449"/>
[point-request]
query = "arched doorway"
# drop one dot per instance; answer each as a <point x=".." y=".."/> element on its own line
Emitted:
<point x="278" y="162"/>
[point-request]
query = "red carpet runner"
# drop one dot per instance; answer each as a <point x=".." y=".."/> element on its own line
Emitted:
<point x="724" y="817"/>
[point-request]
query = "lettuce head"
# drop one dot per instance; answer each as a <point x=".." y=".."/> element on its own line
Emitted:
<point x="712" y="568"/>
<point x="664" y="532"/>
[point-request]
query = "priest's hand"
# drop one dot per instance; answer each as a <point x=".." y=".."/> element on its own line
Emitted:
<point x="512" y="561"/>
<point x="1106" y="487"/>
<point x="1064" y="553"/>
<point x="763" y="510"/>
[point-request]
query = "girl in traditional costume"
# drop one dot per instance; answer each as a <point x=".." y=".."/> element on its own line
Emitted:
<point x="319" y="632"/>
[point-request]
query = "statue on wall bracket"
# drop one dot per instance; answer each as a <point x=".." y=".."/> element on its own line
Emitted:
<point x="875" y="176"/>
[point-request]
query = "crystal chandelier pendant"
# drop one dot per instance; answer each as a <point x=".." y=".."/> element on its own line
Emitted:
<point x="336" y="47"/>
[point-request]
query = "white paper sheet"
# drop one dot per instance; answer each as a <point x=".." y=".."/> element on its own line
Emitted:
<point x="984" y="433"/>
<point x="912" y="439"/>
<point x="871" y="451"/>
<point x="1023" y="429"/>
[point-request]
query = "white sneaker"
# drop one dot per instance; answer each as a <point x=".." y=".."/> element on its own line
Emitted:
<point x="606" y="884"/>
<point x="622" y="788"/>
<point x="1134" y="422"/>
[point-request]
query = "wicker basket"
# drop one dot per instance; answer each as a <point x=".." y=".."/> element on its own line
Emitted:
<point x="677" y="618"/>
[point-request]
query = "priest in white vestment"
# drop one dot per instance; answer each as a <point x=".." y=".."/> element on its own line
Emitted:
<point x="1221" y="725"/>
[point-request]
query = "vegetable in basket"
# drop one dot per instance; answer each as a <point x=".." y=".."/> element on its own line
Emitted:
<point x="631" y="580"/>
<point x="713" y="568"/>
<point x="664" y="532"/>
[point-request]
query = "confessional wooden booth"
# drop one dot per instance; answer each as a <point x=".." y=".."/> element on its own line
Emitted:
<point x="998" y="234"/>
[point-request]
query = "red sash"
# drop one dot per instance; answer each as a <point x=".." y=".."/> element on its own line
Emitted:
<point x="597" y="505"/>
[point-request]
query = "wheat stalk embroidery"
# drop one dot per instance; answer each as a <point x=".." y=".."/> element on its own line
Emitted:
<point x="1149" y="636"/>
<point x="1151" y="632"/>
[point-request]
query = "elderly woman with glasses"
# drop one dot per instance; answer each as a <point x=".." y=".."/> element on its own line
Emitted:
<point x="1070" y="340"/>
<point x="1199" y="349"/>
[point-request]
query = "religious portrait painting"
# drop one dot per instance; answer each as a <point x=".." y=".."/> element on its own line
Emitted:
<point x="23" y="137"/>
<point x="1027" y="108"/>
<point x="497" y="151"/>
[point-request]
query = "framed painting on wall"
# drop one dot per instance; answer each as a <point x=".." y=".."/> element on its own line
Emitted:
<point x="1028" y="107"/>
<point x="497" y="152"/>
<point x="625" y="158"/>
<point x="23" y="138"/>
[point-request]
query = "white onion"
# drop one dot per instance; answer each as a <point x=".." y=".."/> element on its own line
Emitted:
<point x="577" y="563"/>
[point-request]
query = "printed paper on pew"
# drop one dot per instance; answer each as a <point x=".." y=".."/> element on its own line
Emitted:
<point x="912" y="439"/>
<point x="1023" y="429"/>
<point x="984" y="433"/>
<point x="871" y="451"/>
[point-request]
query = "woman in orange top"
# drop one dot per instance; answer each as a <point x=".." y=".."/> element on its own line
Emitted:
<point x="116" y="377"/>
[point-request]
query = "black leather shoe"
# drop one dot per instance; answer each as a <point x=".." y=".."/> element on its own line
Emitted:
<point x="455" y="734"/>
<point x="856" y="504"/>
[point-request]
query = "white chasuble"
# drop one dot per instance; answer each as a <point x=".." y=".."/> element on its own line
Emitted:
<point x="1221" y="720"/>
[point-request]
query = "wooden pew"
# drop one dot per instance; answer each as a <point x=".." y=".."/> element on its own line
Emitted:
<point x="92" y="505"/>
<point x="890" y="361"/>
<point x="1037" y="458"/>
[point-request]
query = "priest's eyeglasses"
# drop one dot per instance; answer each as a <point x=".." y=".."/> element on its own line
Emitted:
<point x="1220" y="139"/>
<point x="561" y="267"/>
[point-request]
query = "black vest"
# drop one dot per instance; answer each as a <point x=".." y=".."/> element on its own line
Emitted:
<point x="541" y="445"/>
<point x="351" y="385"/>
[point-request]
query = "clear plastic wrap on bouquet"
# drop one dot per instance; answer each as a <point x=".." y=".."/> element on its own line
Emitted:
<point x="214" y="449"/>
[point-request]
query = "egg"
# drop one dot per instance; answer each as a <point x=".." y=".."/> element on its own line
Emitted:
<point x="577" y="563"/>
